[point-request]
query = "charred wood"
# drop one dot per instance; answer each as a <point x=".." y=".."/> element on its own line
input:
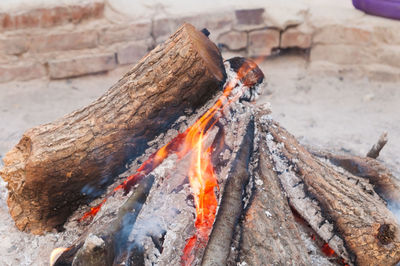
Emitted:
<point x="376" y="149"/>
<point x="231" y="206"/>
<point x="269" y="226"/>
<point x="383" y="181"/>
<point x="110" y="233"/>
<point x="347" y="214"/>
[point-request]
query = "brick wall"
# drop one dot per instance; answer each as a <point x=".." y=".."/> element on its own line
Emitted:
<point x="69" y="41"/>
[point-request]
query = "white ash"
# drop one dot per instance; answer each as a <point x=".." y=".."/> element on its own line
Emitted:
<point x="317" y="258"/>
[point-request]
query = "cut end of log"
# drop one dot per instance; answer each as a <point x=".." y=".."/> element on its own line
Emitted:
<point x="207" y="50"/>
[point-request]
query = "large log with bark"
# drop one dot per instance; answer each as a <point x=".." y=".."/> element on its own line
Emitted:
<point x="47" y="170"/>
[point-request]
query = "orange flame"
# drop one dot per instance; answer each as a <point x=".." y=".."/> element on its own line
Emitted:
<point x="202" y="178"/>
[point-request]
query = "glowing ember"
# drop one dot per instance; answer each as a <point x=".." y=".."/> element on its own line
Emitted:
<point x="328" y="251"/>
<point x="55" y="254"/>
<point x="93" y="211"/>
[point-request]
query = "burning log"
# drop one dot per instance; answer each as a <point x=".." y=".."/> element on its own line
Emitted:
<point x="47" y="170"/>
<point x="231" y="205"/>
<point x="79" y="254"/>
<point x="342" y="208"/>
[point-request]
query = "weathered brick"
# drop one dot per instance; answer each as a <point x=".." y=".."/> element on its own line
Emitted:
<point x="49" y="17"/>
<point x="380" y="72"/>
<point x="81" y="65"/>
<point x="21" y="71"/>
<point x="214" y="22"/>
<point x="261" y="42"/>
<point x="132" y="52"/>
<point x="388" y="55"/>
<point x="250" y="16"/>
<point x="14" y="45"/>
<point x="387" y="34"/>
<point x="340" y="34"/>
<point x="234" y="40"/>
<point x="294" y="37"/>
<point x="63" y="41"/>
<point x="132" y="32"/>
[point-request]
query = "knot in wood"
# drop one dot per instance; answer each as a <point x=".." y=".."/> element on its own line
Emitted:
<point x="386" y="233"/>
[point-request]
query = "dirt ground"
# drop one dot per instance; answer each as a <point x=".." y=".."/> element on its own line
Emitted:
<point x="328" y="111"/>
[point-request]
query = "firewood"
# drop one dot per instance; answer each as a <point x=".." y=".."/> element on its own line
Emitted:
<point x="269" y="226"/>
<point x="231" y="205"/>
<point x="50" y="165"/>
<point x="385" y="184"/>
<point x="341" y="208"/>
<point x="110" y="232"/>
<point x="376" y="149"/>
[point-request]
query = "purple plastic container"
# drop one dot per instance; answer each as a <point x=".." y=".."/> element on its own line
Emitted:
<point x="383" y="8"/>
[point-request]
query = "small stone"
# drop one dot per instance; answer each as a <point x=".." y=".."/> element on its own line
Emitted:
<point x="369" y="97"/>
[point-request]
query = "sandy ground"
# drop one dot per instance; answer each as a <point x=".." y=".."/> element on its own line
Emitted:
<point x="327" y="111"/>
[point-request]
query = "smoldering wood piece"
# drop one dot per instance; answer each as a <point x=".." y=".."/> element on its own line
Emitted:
<point x="231" y="205"/>
<point x="385" y="184"/>
<point x="50" y="165"/>
<point x="269" y="232"/>
<point x="110" y="232"/>
<point x="376" y="149"/>
<point x="166" y="219"/>
<point x="355" y="218"/>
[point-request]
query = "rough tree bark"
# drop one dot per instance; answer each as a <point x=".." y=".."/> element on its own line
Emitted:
<point x="342" y="208"/>
<point x="385" y="184"/>
<point x="231" y="206"/>
<point x="48" y="168"/>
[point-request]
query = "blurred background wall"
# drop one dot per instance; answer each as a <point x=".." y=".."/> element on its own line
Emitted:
<point x="55" y="39"/>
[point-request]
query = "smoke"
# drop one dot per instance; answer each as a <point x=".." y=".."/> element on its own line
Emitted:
<point x="91" y="191"/>
<point x="395" y="209"/>
<point x="3" y="193"/>
<point x="145" y="228"/>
